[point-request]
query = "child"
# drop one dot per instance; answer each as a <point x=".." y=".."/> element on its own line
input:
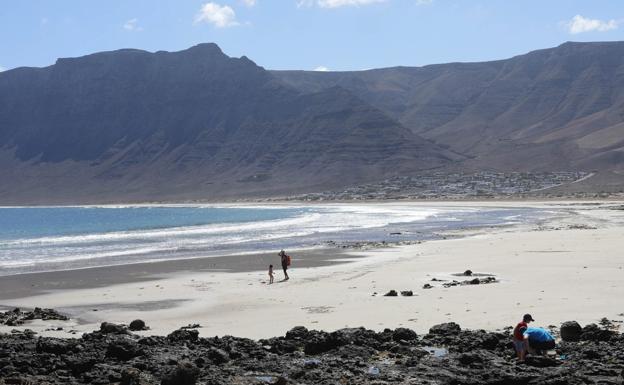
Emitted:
<point x="518" y="338"/>
<point x="270" y="274"/>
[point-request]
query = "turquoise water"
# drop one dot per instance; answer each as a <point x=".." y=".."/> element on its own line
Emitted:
<point x="58" y="221"/>
<point x="59" y="238"/>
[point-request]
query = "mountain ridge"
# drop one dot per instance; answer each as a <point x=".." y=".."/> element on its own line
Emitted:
<point x="193" y="124"/>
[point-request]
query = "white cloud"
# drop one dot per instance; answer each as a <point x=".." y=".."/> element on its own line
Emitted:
<point x="221" y="16"/>
<point x="580" y="24"/>
<point x="249" y="3"/>
<point x="336" y="3"/>
<point x="2" y="69"/>
<point x="321" y="69"/>
<point x="132" y="25"/>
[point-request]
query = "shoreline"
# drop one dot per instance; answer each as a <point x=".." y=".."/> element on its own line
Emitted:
<point x="580" y="275"/>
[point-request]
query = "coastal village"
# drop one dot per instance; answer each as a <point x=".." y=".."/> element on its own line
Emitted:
<point x="443" y="185"/>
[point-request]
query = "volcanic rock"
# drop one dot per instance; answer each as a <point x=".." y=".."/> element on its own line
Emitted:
<point x="571" y="331"/>
<point x="111" y="328"/>
<point x="137" y="325"/>
<point x="448" y="328"/>
<point x="184" y="374"/>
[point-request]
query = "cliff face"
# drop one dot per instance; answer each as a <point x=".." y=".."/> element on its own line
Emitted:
<point x="550" y="109"/>
<point x="134" y="125"/>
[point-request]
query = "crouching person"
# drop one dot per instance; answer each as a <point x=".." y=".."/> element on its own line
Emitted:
<point x="538" y="340"/>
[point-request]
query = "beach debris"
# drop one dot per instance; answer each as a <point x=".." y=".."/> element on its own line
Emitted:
<point x="373" y="371"/>
<point x="391" y="293"/>
<point x="407" y="293"/>
<point x="18" y="317"/>
<point x="571" y="331"/>
<point x="311" y="363"/>
<point x="474" y="281"/>
<point x="137" y="325"/>
<point x="191" y="326"/>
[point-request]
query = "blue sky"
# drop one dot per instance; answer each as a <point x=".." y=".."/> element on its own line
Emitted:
<point x="304" y="34"/>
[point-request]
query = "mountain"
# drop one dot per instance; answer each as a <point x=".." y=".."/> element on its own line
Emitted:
<point x="551" y="109"/>
<point x="131" y="125"/>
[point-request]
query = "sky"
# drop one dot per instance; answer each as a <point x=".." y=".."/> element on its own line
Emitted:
<point x="304" y="34"/>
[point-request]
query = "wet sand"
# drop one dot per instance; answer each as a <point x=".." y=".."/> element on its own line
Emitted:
<point x="31" y="284"/>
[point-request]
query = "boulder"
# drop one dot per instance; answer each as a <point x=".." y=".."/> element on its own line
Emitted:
<point x="111" y="328"/>
<point x="183" y="335"/>
<point x="404" y="334"/>
<point x="391" y="293"/>
<point x="571" y="331"/>
<point x="468" y="273"/>
<point x="297" y="333"/>
<point x="137" y="325"/>
<point x="449" y="328"/>
<point x="321" y="342"/>
<point x="407" y="293"/>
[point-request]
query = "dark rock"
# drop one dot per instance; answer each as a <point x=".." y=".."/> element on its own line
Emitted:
<point x="404" y="334"/>
<point x="183" y="335"/>
<point x="449" y="328"/>
<point x="137" y="325"/>
<point x="321" y="342"/>
<point x="470" y="358"/>
<point x="593" y="332"/>
<point x="218" y="356"/>
<point x="475" y="281"/>
<point x="123" y="349"/>
<point x="540" y="361"/>
<point x="391" y="293"/>
<point x="111" y="328"/>
<point x="468" y="273"/>
<point x="53" y="346"/>
<point x="297" y="333"/>
<point x="184" y="374"/>
<point x="427" y="286"/>
<point x="571" y="331"/>
<point x="407" y="293"/>
<point x="130" y="376"/>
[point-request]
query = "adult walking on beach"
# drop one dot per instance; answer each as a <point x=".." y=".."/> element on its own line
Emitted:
<point x="285" y="262"/>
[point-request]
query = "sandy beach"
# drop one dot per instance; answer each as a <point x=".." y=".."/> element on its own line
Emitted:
<point x="569" y="268"/>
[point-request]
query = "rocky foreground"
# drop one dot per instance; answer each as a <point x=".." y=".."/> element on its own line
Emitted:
<point x="446" y="355"/>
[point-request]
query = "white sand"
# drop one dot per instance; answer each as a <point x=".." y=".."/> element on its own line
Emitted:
<point x="556" y="275"/>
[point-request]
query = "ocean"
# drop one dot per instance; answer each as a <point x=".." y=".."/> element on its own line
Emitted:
<point x="35" y="239"/>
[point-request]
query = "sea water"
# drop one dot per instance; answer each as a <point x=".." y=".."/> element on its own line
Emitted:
<point x="36" y="239"/>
